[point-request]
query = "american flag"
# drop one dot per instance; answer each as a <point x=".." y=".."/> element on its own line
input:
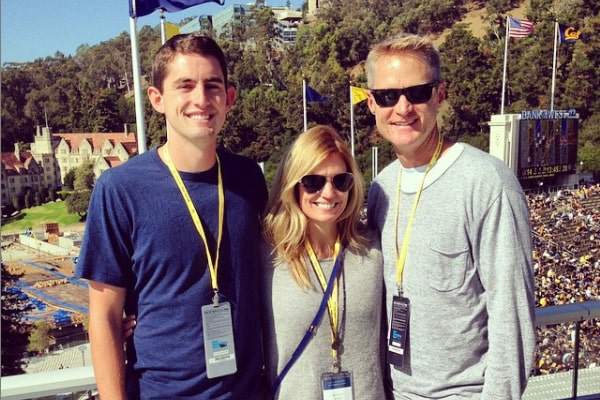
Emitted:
<point x="519" y="28"/>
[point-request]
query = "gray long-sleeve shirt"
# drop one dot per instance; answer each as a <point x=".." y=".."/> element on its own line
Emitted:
<point x="468" y="276"/>
<point x="289" y="310"/>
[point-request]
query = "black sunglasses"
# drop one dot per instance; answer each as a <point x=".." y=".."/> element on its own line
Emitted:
<point x="415" y="94"/>
<point x="314" y="183"/>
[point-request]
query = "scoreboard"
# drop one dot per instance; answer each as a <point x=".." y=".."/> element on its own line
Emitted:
<point x="547" y="143"/>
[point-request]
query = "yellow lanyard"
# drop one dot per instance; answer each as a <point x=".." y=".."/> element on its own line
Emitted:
<point x="401" y="258"/>
<point x="332" y="302"/>
<point x="212" y="266"/>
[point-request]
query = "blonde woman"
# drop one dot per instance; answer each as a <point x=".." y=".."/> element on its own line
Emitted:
<point x="312" y="225"/>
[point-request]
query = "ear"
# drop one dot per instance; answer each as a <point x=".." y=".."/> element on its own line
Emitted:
<point x="371" y="103"/>
<point x="156" y="99"/>
<point x="231" y="96"/>
<point x="441" y="92"/>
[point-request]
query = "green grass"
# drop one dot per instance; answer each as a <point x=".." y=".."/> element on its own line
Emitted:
<point x="35" y="216"/>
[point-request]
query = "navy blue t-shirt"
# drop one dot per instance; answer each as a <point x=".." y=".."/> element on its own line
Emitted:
<point x="140" y="236"/>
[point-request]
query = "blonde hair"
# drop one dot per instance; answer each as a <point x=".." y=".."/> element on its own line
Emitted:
<point x="401" y="44"/>
<point x="285" y="224"/>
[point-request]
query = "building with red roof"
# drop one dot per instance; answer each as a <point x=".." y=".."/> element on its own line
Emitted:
<point x="105" y="150"/>
<point x="19" y="172"/>
<point x="52" y="155"/>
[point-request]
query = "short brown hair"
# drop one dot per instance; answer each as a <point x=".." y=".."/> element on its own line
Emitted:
<point x="404" y="43"/>
<point x="190" y="43"/>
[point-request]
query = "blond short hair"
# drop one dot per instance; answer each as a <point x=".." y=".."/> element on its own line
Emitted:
<point x="404" y="43"/>
<point x="285" y="224"/>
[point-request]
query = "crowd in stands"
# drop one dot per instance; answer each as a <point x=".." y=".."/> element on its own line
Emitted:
<point x="566" y="256"/>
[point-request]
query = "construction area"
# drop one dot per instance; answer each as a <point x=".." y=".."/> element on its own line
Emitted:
<point x="44" y="262"/>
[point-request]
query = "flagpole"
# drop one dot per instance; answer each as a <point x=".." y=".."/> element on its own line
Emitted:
<point x="304" y="104"/>
<point x="137" y="85"/>
<point x="163" y="34"/>
<point x="351" y="122"/>
<point x="554" y="66"/>
<point x="374" y="162"/>
<point x="504" y="70"/>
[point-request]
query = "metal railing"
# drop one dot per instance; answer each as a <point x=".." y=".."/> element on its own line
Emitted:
<point x="41" y="384"/>
<point x="36" y="385"/>
<point x="567" y="313"/>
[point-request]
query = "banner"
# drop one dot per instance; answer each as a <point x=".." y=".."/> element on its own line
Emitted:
<point x="519" y="28"/>
<point x="145" y="7"/>
<point x="358" y="94"/>
<point x="568" y="34"/>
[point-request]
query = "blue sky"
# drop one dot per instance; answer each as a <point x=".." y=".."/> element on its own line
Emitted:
<point x="30" y="29"/>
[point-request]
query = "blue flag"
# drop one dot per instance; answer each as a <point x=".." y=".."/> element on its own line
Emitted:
<point x="568" y="34"/>
<point x="145" y="7"/>
<point x="312" y="96"/>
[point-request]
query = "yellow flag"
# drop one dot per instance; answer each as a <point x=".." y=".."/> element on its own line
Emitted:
<point x="358" y="94"/>
<point x="171" y="30"/>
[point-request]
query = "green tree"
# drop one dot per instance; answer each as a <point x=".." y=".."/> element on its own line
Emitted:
<point x="78" y="202"/>
<point x="16" y="82"/>
<point x="84" y="177"/>
<point x="15" y="330"/>
<point x="589" y="155"/>
<point x="471" y="84"/>
<point x="39" y="338"/>
<point x="103" y="112"/>
<point x="69" y="179"/>
<point x="583" y="72"/>
<point x="589" y="145"/>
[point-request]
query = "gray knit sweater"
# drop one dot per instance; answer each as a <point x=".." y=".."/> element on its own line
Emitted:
<point x="290" y="309"/>
<point x="468" y="276"/>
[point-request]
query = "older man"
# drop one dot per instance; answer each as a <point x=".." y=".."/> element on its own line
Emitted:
<point x="456" y="243"/>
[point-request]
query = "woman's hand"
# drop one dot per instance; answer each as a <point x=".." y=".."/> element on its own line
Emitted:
<point x="128" y="325"/>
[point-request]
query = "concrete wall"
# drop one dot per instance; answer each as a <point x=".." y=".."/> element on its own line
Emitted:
<point x="68" y="242"/>
<point x="43" y="246"/>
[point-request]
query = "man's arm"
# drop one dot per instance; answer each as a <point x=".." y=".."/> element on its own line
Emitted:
<point x="106" y="317"/>
<point x="507" y="275"/>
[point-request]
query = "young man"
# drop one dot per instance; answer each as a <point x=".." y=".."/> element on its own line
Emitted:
<point x="456" y="243"/>
<point x="167" y="231"/>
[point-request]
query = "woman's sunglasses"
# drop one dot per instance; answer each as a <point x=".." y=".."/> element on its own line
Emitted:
<point x="415" y="94"/>
<point x="315" y="183"/>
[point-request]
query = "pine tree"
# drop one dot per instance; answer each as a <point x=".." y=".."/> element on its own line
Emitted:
<point x="15" y="330"/>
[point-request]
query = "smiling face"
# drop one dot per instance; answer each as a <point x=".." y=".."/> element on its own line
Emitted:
<point x="324" y="207"/>
<point x="408" y="127"/>
<point x="194" y="99"/>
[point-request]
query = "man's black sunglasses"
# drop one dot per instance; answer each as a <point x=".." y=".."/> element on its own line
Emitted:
<point x="314" y="183"/>
<point x="415" y="94"/>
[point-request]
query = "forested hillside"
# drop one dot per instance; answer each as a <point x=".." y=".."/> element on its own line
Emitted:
<point x="91" y="90"/>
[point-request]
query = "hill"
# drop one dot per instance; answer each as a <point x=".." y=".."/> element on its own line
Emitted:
<point x="90" y="90"/>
